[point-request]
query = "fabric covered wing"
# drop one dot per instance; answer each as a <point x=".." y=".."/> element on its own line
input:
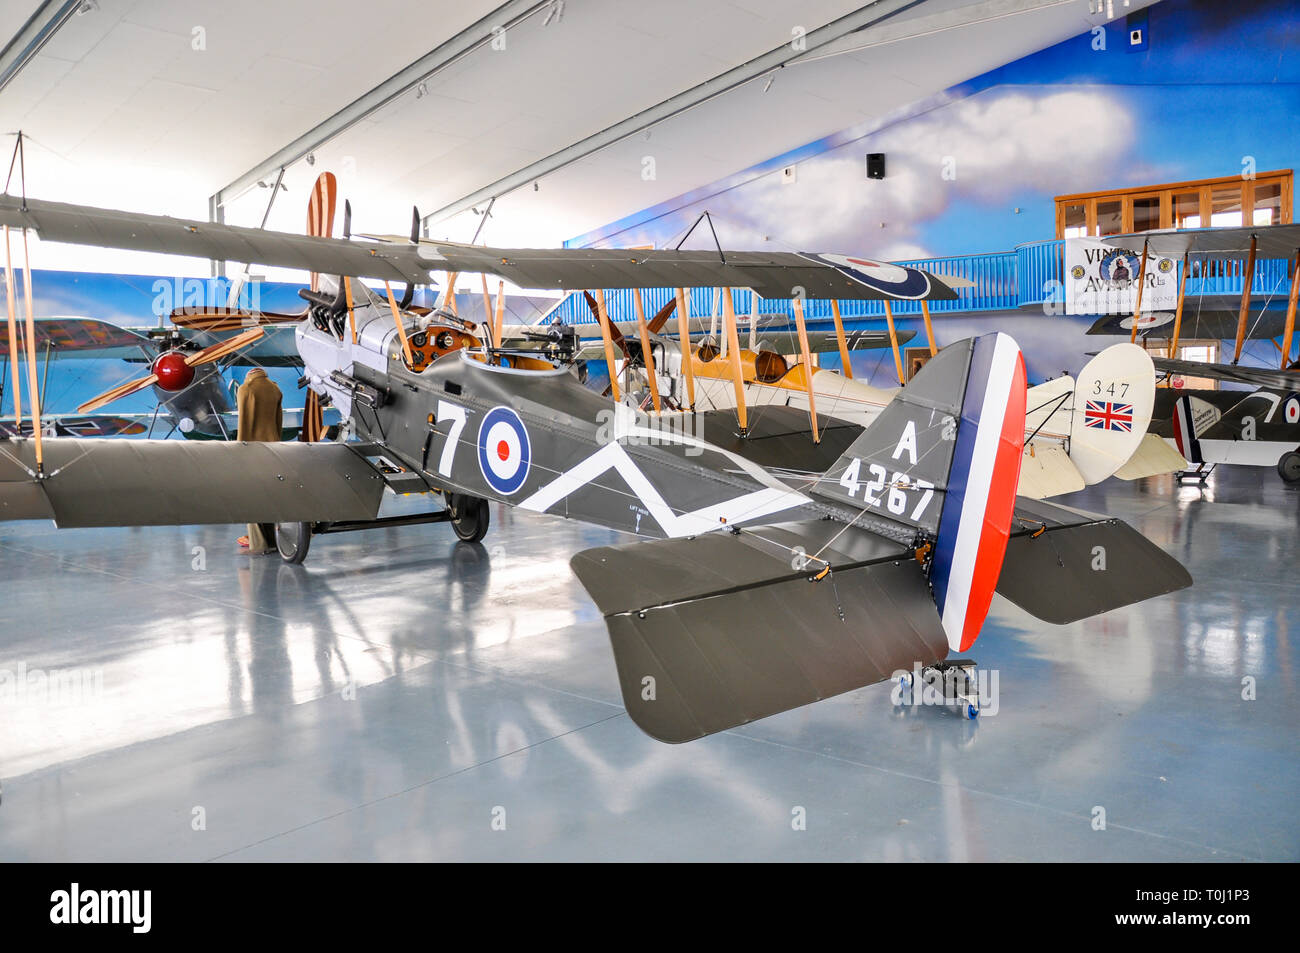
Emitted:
<point x="719" y="630"/>
<point x="1081" y="564"/>
<point x="181" y="482"/>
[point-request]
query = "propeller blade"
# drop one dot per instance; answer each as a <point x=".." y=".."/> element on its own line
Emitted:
<point x="224" y="319"/>
<point x="614" y="332"/>
<point x="661" y="316"/>
<point x="217" y="351"/>
<point x="117" y="393"/>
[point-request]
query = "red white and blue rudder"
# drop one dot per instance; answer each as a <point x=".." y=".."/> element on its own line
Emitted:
<point x="979" y="504"/>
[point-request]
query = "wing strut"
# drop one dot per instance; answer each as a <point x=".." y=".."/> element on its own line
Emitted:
<point x="893" y="341"/>
<point x="733" y="344"/>
<point x="845" y="363"/>
<point x="684" y="330"/>
<point x="498" y="322"/>
<point x="32" y="394"/>
<point x="401" y="330"/>
<point x="1247" y="287"/>
<point x="1142" y="280"/>
<point x="602" y="317"/>
<point x="929" y="330"/>
<point x="1178" y="308"/>
<point x="13" y="332"/>
<point x="1290" y="313"/>
<point x="647" y="356"/>
<point x="807" y="366"/>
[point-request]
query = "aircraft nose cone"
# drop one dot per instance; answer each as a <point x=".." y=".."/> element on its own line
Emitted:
<point x="172" y="371"/>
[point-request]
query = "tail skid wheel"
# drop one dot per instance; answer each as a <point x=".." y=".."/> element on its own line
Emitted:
<point x="292" y="540"/>
<point x="469" y="517"/>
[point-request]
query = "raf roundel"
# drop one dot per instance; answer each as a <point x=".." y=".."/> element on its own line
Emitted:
<point x="1291" y="409"/>
<point x="504" y="452"/>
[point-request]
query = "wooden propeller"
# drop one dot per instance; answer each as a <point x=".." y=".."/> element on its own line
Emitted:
<point x="206" y="356"/>
<point x="225" y="319"/>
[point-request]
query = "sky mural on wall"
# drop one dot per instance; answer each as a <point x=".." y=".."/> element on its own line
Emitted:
<point x="976" y="169"/>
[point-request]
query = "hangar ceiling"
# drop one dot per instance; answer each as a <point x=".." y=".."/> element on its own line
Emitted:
<point x="157" y="105"/>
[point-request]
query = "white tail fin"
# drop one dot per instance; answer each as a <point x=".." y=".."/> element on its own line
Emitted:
<point x="1113" y="399"/>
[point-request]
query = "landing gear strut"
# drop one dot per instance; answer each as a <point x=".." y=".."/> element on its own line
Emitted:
<point x="468" y="516"/>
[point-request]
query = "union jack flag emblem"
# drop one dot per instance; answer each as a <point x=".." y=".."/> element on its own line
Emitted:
<point x="1104" y="415"/>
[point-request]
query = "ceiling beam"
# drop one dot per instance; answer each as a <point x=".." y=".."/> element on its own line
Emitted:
<point x="505" y="17"/>
<point x="35" y="33"/>
<point x="772" y="60"/>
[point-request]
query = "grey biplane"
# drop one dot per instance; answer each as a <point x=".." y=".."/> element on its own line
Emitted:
<point x="783" y="558"/>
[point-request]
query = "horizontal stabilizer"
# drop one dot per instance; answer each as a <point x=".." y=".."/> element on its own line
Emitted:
<point x="1063" y="564"/>
<point x="1154" y="455"/>
<point x="715" y="631"/>
<point x="181" y="483"/>
<point x="1046" y="470"/>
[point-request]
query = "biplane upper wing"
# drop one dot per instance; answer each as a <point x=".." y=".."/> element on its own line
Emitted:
<point x="108" y="228"/>
<point x="771" y="274"/>
<point x="777" y="275"/>
<point x="1255" y="376"/>
<point x="180" y="483"/>
<point x="1203" y="244"/>
<point x="1216" y="323"/>
<point x="84" y="338"/>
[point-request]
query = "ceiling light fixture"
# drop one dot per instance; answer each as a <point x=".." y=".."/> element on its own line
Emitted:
<point x="421" y="90"/>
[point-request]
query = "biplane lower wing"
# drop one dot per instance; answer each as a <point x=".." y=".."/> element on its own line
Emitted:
<point x="180" y="483"/>
<point x="719" y="630"/>
<point x="1064" y="564"/>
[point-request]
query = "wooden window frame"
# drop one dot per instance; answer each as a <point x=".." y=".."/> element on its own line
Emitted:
<point x="1166" y="192"/>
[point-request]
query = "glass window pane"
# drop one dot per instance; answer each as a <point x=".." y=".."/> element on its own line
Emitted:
<point x="1110" y="217"/>
<point x="1076" y="221"/>
<point x="1146" y="213"/>
<point x="1187" y="210"/>
<point x="1268" y="203"/>
<point x="1225" y="206"/>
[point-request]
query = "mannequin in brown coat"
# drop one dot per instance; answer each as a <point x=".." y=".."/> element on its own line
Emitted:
<point x="260" y="418"/>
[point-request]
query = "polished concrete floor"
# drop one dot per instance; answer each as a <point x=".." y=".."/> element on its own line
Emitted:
<point x="402" y="697"/>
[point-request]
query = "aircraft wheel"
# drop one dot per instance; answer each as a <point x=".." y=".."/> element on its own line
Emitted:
<point x="469" y="517"/>
<point x="1288" y="468"/>
<point x="292" y="540"/>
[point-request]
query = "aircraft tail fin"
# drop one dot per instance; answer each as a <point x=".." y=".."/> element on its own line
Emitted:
<point x="944" y="458"/>
<point x="1114" y="396"/>
<point x="1191" y="418"/>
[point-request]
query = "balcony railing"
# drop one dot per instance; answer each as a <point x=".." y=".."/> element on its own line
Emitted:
<point x="1028" y="278"/>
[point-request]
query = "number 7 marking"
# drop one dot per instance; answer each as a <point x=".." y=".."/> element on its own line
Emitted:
<point x="456" y="415"/>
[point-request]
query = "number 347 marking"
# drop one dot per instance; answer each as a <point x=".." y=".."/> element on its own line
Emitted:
<point x="896" y="499"/>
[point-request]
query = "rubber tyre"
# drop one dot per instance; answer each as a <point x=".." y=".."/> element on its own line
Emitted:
<point x="292" y="540"/>
<point x="1288" y="468"/>
<point x="470" y="517"/>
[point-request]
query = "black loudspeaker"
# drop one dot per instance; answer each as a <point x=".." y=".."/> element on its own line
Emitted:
<point x="875" y="165"/>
